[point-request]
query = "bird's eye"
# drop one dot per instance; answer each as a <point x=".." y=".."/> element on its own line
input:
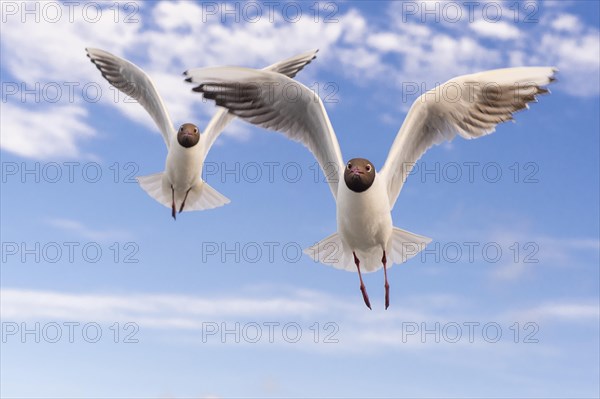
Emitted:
<point x="181" y="129"/>
<point x="349" y="166"/>
<point x="195" y="130"/>
<point x="368" y="168"/>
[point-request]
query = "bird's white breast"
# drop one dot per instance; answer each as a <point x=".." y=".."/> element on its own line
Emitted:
<point x="364" y="219"/>
<point x="184" y="165"/>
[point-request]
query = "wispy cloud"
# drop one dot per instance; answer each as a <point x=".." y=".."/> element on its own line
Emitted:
<point x="567" y="22"/>
<point x="536" y="250"/>
<point x="498" y="30"/>
<point x="168" y="39"/>
<point x="45" y="132"/>
<point x="83" y="231"/>
<point x="523" y="251"/>
<point x="562" y="311"/>
<point x="363" y="330"/>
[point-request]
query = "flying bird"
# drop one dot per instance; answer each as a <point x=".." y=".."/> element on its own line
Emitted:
<point x="180" y="186"/>
<point x="366" y="238"/>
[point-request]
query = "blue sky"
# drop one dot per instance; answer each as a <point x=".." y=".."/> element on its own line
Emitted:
<point x="512" y="252"/>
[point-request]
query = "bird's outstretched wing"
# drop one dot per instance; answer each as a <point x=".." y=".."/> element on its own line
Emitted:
<point x="274" y="101"/>
<point x="289" y="67"/>
<point x="133" y="81"/>
<point x="470" y="106"/>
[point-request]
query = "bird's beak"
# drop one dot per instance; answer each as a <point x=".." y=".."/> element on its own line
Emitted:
<point x="356" y="171"/>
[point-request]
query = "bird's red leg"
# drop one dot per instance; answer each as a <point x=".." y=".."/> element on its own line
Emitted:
<point x="173" y="212"/>
<point x="362" y="285"/>
<point x="184" y="198"/>
<point x="387" y="286"/>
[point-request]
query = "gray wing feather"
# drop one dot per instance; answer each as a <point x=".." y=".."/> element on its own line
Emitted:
<point x="289" y="67"/>
<point x="276" y="102"/>
<point x="133" y="81"/>
<point x="470" y="106"/>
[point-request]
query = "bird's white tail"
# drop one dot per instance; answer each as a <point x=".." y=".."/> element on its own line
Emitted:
<point x="402" y="246"/>
<point x="201" y="196"/>
<point x="331" y="251"/>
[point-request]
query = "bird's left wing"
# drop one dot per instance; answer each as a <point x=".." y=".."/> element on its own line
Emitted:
<point x="289" y="67"/>
<point x="274" y="101"/>
<point x="470" y="106"/>
<point x="133" y="81"/>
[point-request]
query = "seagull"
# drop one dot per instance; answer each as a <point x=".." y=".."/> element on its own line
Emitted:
<point x="366" y="238"/>
<point x="181" y="182"/>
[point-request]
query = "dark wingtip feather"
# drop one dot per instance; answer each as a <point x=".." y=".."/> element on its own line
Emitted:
<point x="542" y="91"/>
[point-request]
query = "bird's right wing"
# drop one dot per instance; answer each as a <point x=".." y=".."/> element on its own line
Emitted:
<point x="289" y="67"/>
<point x="131" y="80"/>
<point x="469" y="105"/>
<point x="274" y="101"/>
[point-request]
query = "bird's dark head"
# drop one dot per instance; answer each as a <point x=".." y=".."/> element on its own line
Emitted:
<point x="188" y="135"/>
<point x="359" y="174"/>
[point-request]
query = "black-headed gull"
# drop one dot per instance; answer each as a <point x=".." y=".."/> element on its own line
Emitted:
<point x="470" y="106"/>
<point x="181" y="182"/>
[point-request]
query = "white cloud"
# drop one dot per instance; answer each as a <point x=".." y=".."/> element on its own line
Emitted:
<point x="560" y="312"/>
<point x="415" y="30"/>
<point x="578" y="59"/>
<point x="184" y="314"/>
<point x="517" y="58"/>
<point x="363" y="63"/>
<point x="386" y="42"/>
<point x="84" y="231"/>
<point x="355" y="26"/>
<point x="54" y="52"/>
<point x="174" y="36"/>
<point x="567" y="22"/>
<point x="535" y="250"/>
<point x="27" y="304"/>
<point x="373" y="330"/>
<point x="495" y="30"/>
<point x="522" y="251"/>
<point x="190" y="41"/>
<point x="177" y="15"/>
<point x="448" y="57"/>
<point x="44" y="132"/>
<point x="577" y="52"/>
